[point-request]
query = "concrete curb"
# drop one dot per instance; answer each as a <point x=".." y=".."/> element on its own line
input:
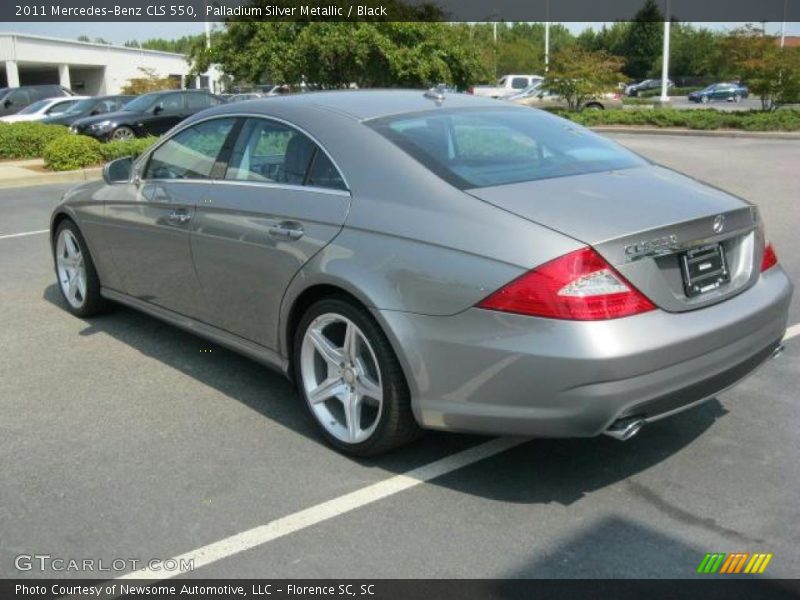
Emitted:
<point x="725" y="133"/>
<point x="33" y="179"/>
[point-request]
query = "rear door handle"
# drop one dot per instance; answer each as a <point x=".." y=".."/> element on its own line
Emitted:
<point x="287" y="230"/>
<point x="180" y="216"/>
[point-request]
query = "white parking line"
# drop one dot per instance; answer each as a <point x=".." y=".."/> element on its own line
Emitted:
<point x="791" y="332"/>
<point x="23" y="234"/>
<point x="327" y="510"/>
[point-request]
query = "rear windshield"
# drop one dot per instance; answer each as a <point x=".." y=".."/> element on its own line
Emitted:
<point x="473" y="148"/>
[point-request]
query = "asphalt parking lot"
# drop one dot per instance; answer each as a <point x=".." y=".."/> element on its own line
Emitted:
<point x="124" y="438"/>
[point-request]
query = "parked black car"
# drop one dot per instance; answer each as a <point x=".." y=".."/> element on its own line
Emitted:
<point x="13" y="100"/>
<point x="97" y="105"/>
<point x="149" y="114"/>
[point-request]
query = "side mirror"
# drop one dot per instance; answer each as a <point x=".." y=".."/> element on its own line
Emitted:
<point x="158" y="109"/>
<point x="94" y="112"/>
<point x="118" y="171"/>
<point x="7" y="103"/>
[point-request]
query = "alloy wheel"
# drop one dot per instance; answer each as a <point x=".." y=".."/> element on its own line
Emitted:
<point x="71" y="268"/>
<point x="122" y="133"/>
<point x="341" y="378"/>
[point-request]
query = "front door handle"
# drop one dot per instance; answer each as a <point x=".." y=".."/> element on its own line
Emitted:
<point x="287" y="230"/>
<point x="180" y="216"/>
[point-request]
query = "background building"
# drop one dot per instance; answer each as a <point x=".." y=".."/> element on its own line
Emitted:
<point x="86" y="67"/>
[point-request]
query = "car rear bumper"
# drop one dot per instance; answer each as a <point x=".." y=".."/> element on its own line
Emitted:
<point x="495" y="373"/>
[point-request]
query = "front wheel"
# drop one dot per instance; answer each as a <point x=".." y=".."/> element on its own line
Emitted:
<point x="594" y="106"/>
<point x="351" y="380"/>
<point x="123" y="133"/>
<point x="77" y="277"/>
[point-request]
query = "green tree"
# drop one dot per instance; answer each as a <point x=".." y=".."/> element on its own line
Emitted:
<point x="772" y="73"/>
<point x="149" y="82"/>
<point x="578" y="75"/>
<point x="641" y="46"/>
<point x="332" y="54"/>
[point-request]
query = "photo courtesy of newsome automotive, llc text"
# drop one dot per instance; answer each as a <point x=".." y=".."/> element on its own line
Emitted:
<point x="400" y="299"/>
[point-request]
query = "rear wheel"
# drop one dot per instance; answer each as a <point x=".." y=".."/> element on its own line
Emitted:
<point x="350" y="379"/>
<point x="123" y="133"/>
<point x="77" y="277"/>
<point x="594" y="106"/>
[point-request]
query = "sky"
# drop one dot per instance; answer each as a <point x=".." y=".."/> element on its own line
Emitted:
<point x="117" y="33"/>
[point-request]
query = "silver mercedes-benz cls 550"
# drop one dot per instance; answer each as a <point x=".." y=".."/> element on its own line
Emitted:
<point x="418" y="260"/>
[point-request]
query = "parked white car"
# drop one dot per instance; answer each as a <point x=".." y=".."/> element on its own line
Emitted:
<point x="49" y="107"/>
<point x="507" y="85"/>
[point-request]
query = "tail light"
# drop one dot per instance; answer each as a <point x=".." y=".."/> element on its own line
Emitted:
<point x="770" y="259"/>
<point x="579" y="286"/>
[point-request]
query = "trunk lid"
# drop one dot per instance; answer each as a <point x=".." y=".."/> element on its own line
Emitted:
<point x="642" y="220"/>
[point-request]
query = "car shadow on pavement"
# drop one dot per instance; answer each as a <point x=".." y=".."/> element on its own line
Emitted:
<point x="536" y="471"/>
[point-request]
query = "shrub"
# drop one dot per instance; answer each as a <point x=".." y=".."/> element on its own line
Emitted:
<point x="781" y="120"/>
<point x="120" y="148"/>
<point x="27" y="140"/>
<point x="70" y="152"/>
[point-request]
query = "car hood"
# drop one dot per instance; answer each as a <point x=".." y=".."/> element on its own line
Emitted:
<point x="111" y="116"/>
<point x="598" y="207"/>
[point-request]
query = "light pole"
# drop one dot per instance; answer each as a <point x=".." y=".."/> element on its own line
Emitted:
<point x="665" y="59"/>
<point x="783" y="25"/>
<point x="547" y="36"/>
<point x="546" y="46"/>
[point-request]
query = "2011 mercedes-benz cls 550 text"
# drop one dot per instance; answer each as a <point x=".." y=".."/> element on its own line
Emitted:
<point x="421" y="261"/>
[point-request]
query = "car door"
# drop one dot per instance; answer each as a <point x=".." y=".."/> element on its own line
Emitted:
<point x="280" y="200"/>
<point x="166" y="112"/>
<point x="149" y="223"/>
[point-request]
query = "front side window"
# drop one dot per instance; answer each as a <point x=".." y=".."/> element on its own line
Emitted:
<point x="18" y="97"/>
<point x="170" y="103"/>
<point x="272" y="152"/>
<point x="519" y="83"/>
<point x="473" y="148"/>
<point x="191" y="153"/>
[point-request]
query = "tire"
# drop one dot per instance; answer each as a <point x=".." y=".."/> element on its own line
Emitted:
<point x="594" y="106"/>
<point x="737" y="98"/>
<point x="370" y="425"/>
<point x="122" y="133"/>
<point x="75" y="273"/>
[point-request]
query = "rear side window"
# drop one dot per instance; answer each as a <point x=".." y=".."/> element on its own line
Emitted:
<point x="191" y="153"/>
<point x="272" y="152"/>
<point x="473" y="148"/>
<point x="197" y="101"/>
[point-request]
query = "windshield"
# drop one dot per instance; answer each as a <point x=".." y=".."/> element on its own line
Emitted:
<point x="142" y="103"/>
<point x="80" y="106"/>
<point x="35" y="107"/>
<point x="473" y="148"/>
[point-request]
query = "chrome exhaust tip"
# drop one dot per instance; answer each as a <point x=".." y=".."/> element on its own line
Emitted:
<point x="778" y="351"/>
<point x="625" y="429"/>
